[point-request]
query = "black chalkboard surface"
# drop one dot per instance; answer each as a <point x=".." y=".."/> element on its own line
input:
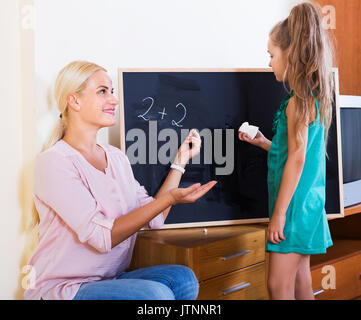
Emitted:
<point x="157" y="110"/>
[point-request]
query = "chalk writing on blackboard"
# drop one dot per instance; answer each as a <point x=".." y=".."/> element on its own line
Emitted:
<point x="151" y="105"/>
<point x="177" y="123"/>
<point x="163" y="113"/>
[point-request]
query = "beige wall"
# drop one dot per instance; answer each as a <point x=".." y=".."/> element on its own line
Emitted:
<point x="17" y="140"/>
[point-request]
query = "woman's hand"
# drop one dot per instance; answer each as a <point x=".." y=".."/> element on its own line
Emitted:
<point x="190" y="194"/>
<point x="185" y="152"/>
<point x="275" y="228"/>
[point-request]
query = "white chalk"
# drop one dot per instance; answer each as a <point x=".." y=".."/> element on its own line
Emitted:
<point x="250" y="130"/>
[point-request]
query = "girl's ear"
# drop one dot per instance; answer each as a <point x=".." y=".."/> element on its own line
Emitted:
<point x="286" y="53"/>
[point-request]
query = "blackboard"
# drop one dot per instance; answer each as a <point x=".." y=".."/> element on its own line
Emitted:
<point x="159" y="106"/>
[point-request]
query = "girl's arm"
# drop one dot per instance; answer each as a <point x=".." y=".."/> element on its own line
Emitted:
<point x="259" y="140"/>
<point x="290" y="177"/>
<point x="266" y="144"/>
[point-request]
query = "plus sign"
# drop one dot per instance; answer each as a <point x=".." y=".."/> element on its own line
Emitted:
<point x="163" y="113"/>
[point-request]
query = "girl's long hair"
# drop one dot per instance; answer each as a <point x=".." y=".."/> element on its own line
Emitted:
<point x="70" y="80"/>
<point x="309" y="63"/>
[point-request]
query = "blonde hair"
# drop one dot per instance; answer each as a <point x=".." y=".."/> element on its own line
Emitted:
<point x="309" y="63"/>
<point x="70" y="80"/>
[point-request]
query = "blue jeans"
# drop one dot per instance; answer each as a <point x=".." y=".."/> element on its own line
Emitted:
<point x="164" y="282"/>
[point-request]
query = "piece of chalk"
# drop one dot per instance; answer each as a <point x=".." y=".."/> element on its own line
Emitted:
<point x="243" y="127"/>
<point x="249" y="129"/>
<point x="252" y="131"/>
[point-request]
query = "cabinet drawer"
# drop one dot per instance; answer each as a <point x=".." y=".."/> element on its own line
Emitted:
<point x="220" y="257"/>
<point x="346" y="276"/>
<point x="244" y="284"/>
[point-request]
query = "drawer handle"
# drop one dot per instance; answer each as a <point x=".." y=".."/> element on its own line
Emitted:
<point x="316" y="293"/>
<point x="236" y="288"/>
<point x="237" y="254"/>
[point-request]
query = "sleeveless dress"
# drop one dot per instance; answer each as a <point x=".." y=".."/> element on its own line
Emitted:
<point x="306" y="229"/>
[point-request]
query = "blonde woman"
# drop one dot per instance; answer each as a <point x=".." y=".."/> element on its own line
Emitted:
<point x="90" y="206"/>
<point x="301" y="55"/>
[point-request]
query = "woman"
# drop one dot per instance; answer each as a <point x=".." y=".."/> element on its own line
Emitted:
<point x="90" y="206"/>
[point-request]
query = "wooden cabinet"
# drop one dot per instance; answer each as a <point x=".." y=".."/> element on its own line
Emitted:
<point x="339" y="280"/>
<point x="337" y="274"/>
<point x="246" y="283"/>
<point x="229" y="262"/>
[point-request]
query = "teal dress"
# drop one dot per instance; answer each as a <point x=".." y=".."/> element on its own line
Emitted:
<point x="306" y="229"/>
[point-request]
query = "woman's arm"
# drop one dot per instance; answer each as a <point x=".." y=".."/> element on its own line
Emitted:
<point x="172" y="181"/>
<point x="169" y="194"/>
<point x="291" y="175"/>
<point x="185" y="153"/>
<point x="130" y="223"/>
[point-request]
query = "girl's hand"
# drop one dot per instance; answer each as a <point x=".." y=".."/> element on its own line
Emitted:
<point x="185" y="152"/>
<point x="259" y="140"/>
<point x="275" y="228"/>
<point x="190" y="194"/>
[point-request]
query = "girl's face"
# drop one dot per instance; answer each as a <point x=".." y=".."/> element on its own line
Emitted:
<point x="278" y="60"/>
<point x="97" y="102"/>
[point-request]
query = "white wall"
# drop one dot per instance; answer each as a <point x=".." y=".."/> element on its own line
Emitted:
<point x="149" y="33"/>
<point x="17" y="131"/>
<point x="9" y="162"/>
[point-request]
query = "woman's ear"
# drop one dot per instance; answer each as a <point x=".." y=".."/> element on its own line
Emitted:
<point x="73" y="102"/>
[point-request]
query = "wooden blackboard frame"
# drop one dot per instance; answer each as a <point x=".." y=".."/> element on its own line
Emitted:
<point x="195" y="70"/>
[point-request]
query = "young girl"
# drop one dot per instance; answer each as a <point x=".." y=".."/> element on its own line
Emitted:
<point x="300" y="55"/>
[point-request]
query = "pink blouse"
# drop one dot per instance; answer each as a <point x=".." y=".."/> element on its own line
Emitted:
<point x="77" y="205"/>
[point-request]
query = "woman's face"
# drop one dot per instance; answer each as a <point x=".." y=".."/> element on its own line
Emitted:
<point x="278" y="60"/>
<point x="97" y="102"/>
